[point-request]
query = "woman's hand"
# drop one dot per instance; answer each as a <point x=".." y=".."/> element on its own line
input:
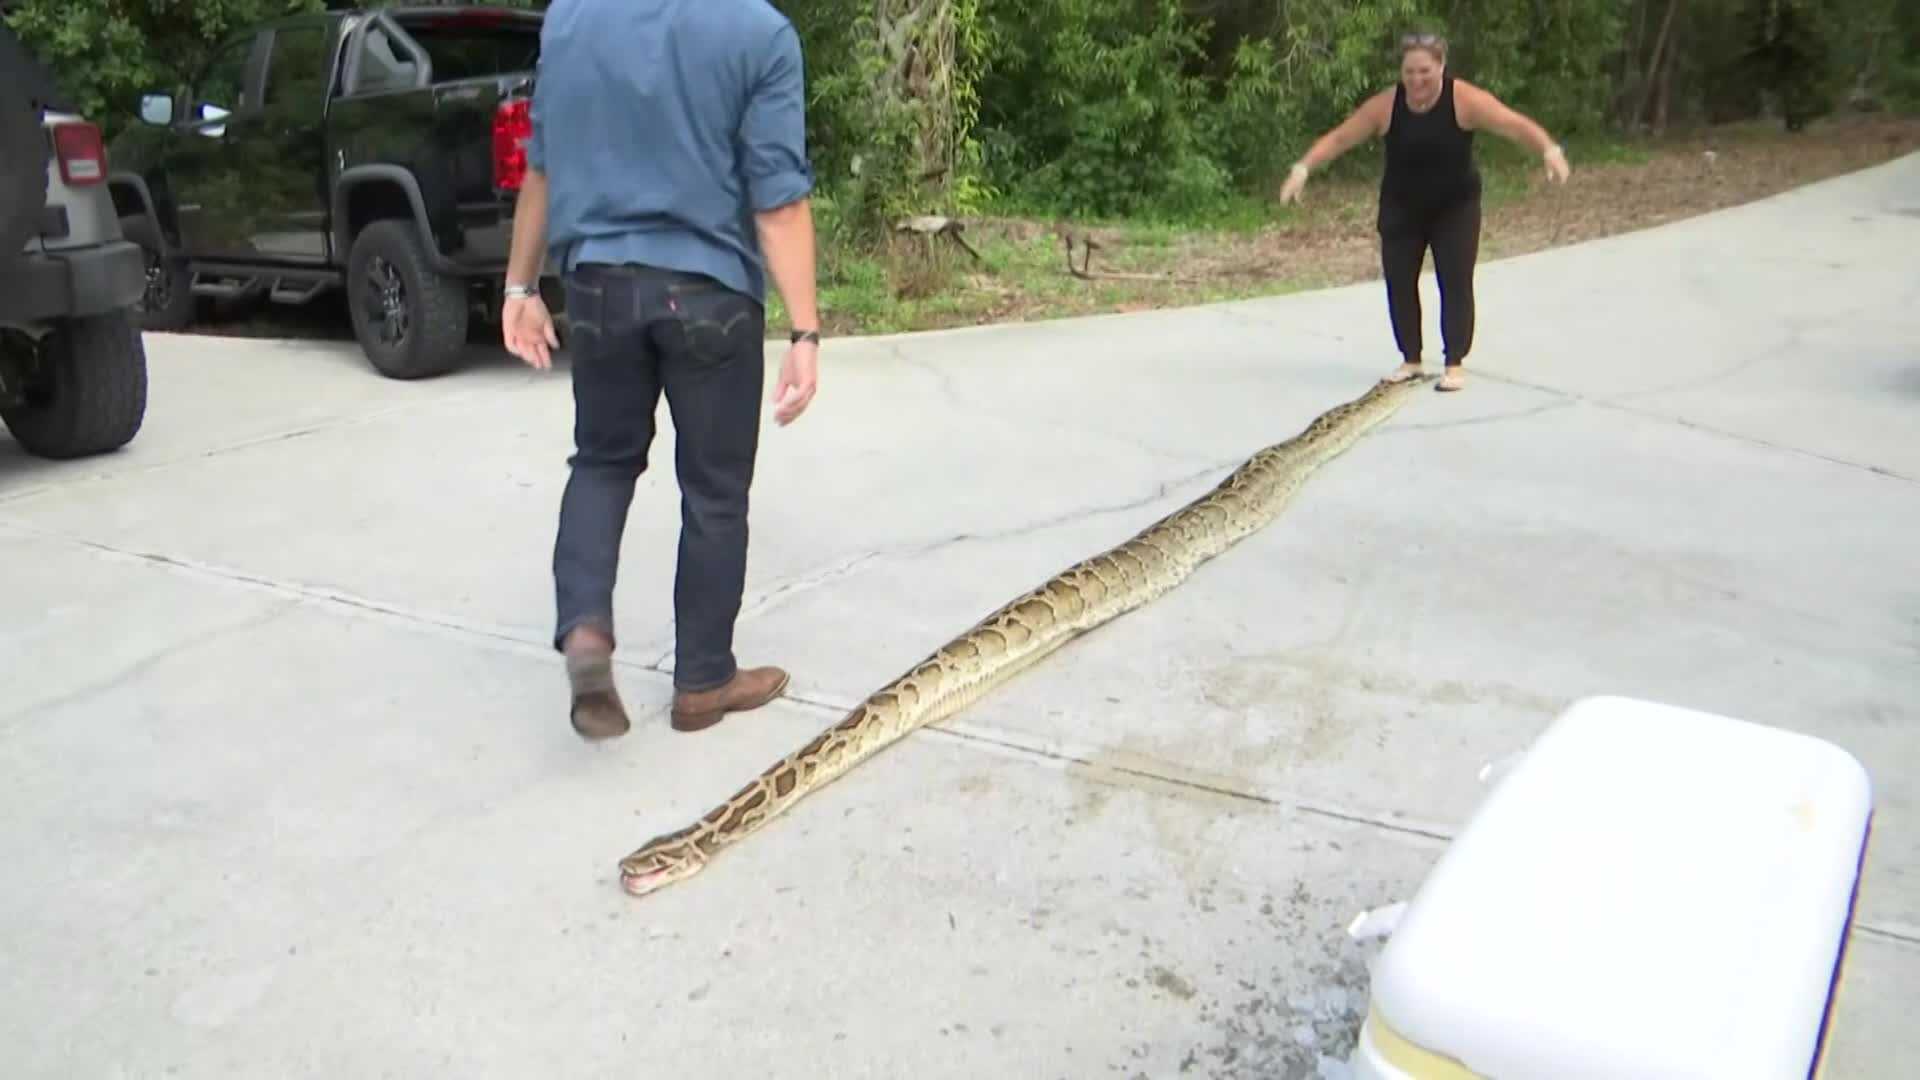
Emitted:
<point x="1296" y="179"/>
<point x="1556" y="161"/>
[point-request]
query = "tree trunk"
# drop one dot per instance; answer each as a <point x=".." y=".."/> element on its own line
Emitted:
<point x="1663" y="97"/>
<point x="1657" y="63"/>
<point x="1633" y="51"/>
<point x="916" y="40"/>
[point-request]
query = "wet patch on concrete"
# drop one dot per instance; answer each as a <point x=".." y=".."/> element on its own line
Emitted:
<point x="1298" y="1022"/>
<point x="1300" y="1025"/>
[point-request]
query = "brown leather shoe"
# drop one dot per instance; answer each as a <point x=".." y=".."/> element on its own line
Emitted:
<point x="749" y="688"/>
<point x="597" y="711"/>
<point x="599" y="715"/>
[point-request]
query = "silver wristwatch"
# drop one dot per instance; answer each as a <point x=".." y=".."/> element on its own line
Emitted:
<point x="520" y="292"/>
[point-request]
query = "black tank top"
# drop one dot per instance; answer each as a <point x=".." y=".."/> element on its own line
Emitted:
<point x="1429" y="156"/>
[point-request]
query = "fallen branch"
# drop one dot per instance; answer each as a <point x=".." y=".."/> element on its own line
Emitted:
<point x="933" y="226"/>
<point x="1085" y="271"/>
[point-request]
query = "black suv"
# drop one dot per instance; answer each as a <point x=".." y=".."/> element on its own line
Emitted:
<point x="375" y="151"/>
<point x="73" y="369"/>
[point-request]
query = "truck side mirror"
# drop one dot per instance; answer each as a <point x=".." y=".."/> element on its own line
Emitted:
<point x="156" y="109"/>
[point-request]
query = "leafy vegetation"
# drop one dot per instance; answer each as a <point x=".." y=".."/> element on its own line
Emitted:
<point x="1159" y="114"/>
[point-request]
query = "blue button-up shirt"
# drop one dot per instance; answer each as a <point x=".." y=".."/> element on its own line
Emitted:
<point x="662" y="126"/>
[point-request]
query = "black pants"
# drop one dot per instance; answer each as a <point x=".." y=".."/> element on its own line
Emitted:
<point x="634" y="333"/>
<point x="1453" y="232"/>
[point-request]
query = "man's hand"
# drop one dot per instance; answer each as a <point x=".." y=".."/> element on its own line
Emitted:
<point x="786" y="235"/>
<point x="799" y="375"/>
<point x="527" y="328"/>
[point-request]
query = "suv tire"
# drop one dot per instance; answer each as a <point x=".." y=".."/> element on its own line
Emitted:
<point x="411" y="321"/>
<point x="89" y="394"/>
<point x="23" y="168"/>
<point x="168" y="303"/>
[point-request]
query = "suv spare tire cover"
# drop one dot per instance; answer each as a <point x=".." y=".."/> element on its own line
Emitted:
<point x="25" y="90"/>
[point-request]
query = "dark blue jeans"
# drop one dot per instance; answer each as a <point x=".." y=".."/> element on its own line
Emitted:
<point x="635" y="332"/>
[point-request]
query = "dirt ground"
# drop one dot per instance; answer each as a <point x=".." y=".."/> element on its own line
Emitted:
<point x="1331" y="239"/>
<point x="1685" y="176"/>
<point x="1328" y="240"/>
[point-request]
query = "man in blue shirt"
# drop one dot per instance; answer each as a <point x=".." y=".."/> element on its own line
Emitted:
<point x="667" y="178"/>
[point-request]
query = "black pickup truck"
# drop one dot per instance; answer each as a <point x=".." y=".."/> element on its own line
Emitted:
<point x="374" y="151"/>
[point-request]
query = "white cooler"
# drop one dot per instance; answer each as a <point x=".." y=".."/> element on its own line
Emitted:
<point x="1649" y="892"/>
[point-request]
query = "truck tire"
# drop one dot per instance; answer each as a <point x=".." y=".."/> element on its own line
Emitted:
<point x="90" y="392"/>
<point x="411" y="321"/>
<point x="23" y="169"/>
<point x="168" y="303"/>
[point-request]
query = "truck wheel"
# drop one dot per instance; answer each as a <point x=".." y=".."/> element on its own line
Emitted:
<point x="89" y="392"/>
<point x="168" y="302"/>
<point x="411" y="321"/>
<point x="23" y="169"/>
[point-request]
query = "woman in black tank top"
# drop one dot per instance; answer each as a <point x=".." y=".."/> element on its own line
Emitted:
<point x="1430" y="192"/>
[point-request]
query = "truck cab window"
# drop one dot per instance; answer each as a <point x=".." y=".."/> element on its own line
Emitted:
<point x="298" y="74"/>
<point x="383" y="66"/>
<point x="469" y="48"/>
<point x="222" y="87"/>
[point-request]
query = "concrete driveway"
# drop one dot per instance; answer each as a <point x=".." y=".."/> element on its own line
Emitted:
<point x="287" y="787"/>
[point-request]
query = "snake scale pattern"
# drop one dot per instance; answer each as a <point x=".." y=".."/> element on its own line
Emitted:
<point x="1022" y="632"/>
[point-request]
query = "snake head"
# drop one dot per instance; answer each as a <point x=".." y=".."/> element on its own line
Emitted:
<point x="661" y="862"/>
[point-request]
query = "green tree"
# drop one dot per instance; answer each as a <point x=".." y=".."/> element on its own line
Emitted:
<point x="105" y="53"/>
<point x="1111" y="107"/>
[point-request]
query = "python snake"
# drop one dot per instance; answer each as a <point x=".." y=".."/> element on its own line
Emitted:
<point x="1026" y="629"/>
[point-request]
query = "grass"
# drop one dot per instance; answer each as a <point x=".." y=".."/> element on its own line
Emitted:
<point x="1252" y="247"/>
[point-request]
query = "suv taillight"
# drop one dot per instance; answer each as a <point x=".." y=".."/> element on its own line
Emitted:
<point x="512" y="127"/>
<point x="81" y="153"/>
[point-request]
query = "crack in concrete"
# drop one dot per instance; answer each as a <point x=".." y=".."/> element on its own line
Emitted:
<point x="1012" y="532"/>
<point x="950" y="730"/>
<point x="800" y="583"/>
<point x="1033" y="750"/>
<point x="1649" y="414"/>
<point x="151" y="661"/>
<point x="960" y="733"/>
<point x="769" y="597"/>
<point x="953" y="731"/>
<point x="336" y="597"/>
<point x="951" y="391"/>
<point x="26" y="493"/>
<point x="1475" y="421"/>
<point x="1902" y="935"/>
<point x="1794" y="345"/>
<point x="773" y="594"/>
<point x="194" y="457"/>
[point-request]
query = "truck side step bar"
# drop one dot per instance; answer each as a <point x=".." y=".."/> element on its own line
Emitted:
<point x="281" y="287"/>
<point x="298" y="290"/>
<point x="223" y="289"/>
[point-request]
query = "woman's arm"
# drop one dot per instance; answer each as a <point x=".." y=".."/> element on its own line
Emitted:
<point x="1365" y="122"/>
<point x="1478" y="109"/>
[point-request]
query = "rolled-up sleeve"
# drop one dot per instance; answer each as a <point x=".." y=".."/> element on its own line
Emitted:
<point x="773" y="133"/>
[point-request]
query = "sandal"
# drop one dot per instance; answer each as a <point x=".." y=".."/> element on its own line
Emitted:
<point x="1451" y="381"/>
<point x="1399" y="375"/>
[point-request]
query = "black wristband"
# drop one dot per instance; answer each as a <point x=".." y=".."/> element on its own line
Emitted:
<point x="799" y="336"/>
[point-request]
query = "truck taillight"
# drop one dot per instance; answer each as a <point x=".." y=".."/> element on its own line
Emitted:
<point x="512" y="127"/>
<point x="81" y="153"/>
